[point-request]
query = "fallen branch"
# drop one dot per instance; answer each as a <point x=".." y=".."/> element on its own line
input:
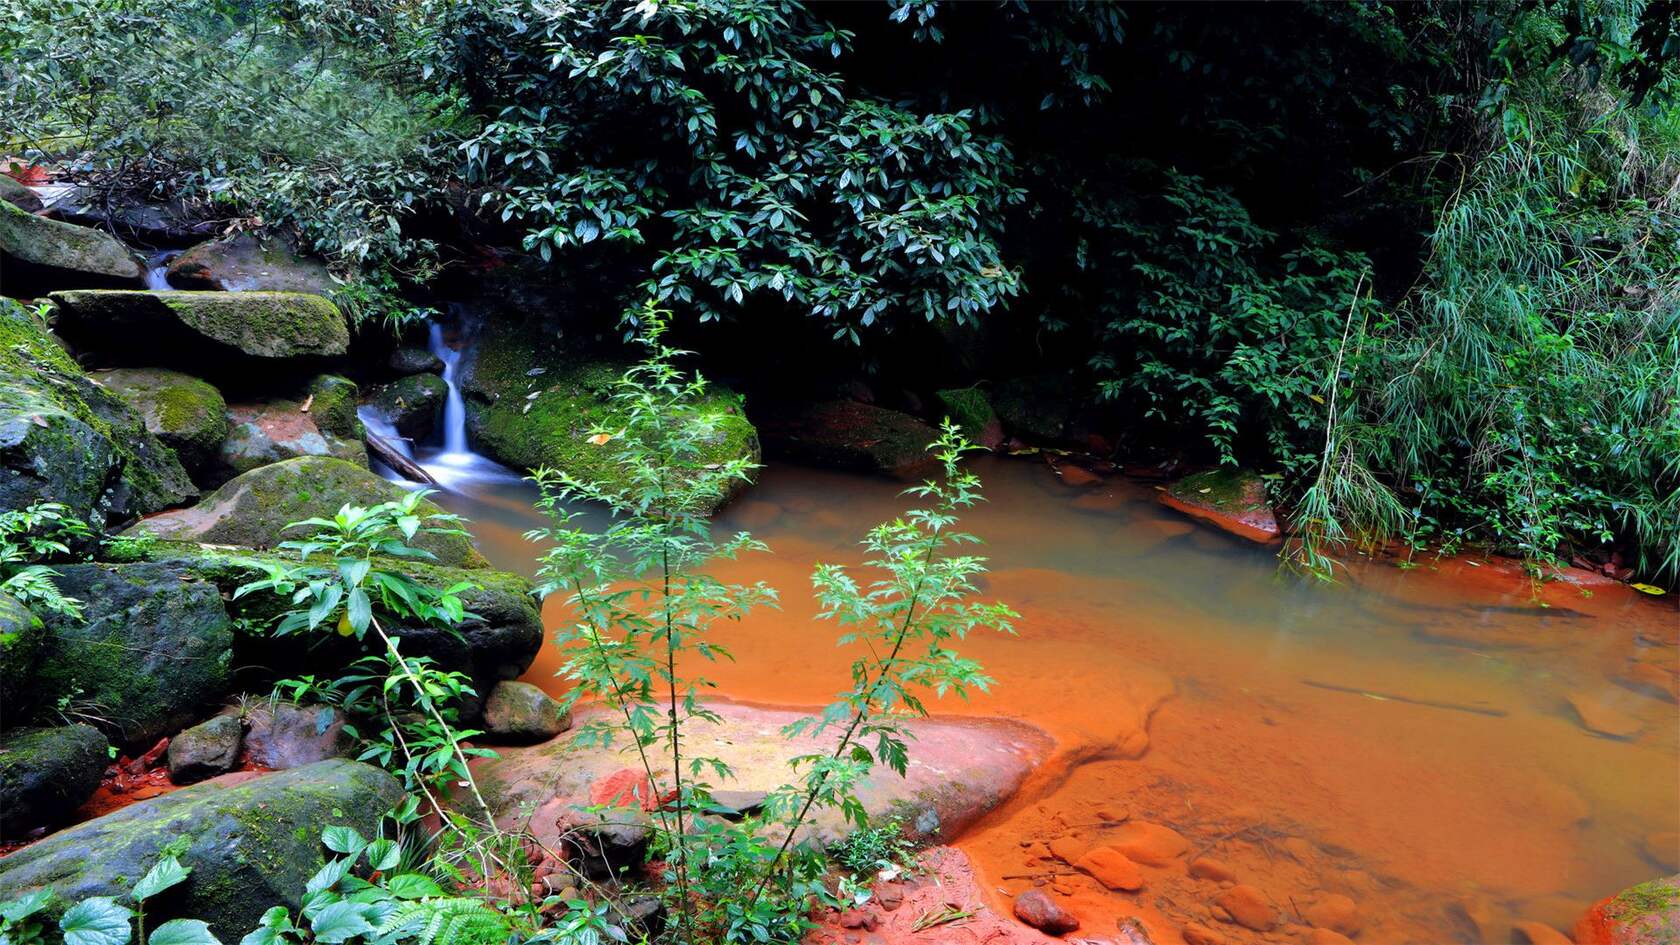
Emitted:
<point x="1394" y="697"/>
<point x="393" y="457"/>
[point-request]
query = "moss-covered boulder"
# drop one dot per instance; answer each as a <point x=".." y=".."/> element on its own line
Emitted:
<point x="520" y="712"/>
<point x="971" y="409"/>
<point x="499" y="639"/>
<point x="65" y="439"/>
<point x="38" y="255"/>
<point x="245" y="263"/>
<point x="186" y="414"/>
<point x="265" y="433"/>
<point x="154" y="646"/>
<point x="253" y="509"/>
<point x="412" y="404"/>
<point x="22" y="636"/>
<point x="332" y="402"/>
<point x="252" y="843"/>
<point x="530" y="404"/>
<point x="1231" y="499"/>
<point x="845" y="434"/>
<point x="45" y="774"/>
<point x="1038" y="408"/>
<point x="18" y="195"/>
<point x="1646" y="914"/>
<point x="190" y="327"/>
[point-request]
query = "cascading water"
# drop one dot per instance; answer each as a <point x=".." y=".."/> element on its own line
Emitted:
<point x="454" y="408"/>
<point x="157" y="270"/>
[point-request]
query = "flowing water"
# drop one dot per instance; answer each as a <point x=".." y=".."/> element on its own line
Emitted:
<point x="1406" y="738"/>
<point x="157" y="270"/>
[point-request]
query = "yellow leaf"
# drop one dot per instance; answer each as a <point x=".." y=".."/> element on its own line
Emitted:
<point x="600" y="439"/>
<point x="1206" y="490"/>
<point x="1647" y="589"/>
<point x="1316" y="398"/>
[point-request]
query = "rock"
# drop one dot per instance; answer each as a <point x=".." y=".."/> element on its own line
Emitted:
<point x="1197" y="934"/>
<point x="1068" y="848"/>
<point x="199" y="328"/>
<point x="18" y="195"/>
<point x="184" y="413"/>
<point x="971" y="409"/>
<point x="413" y="359"/>
<point x="413" y="404"/>
<point x="610" y="844"/>
<point x="22" y="637"/>
<point x="1539" y="933"/>
<point x="1077" y="476"/>
<point x="332" y="402"/>
<point x="38" y="256"/>
<point x="1038" y="409"/>
<point x="1663" y="849"/>
<point x="1038" y="910"/>
<point x="266" y="433"/>
<point x="527" y="420"/>
<point x="205" y="750"/>
<point x="960" y="768"/>
<point x="245" y="263"/>
<point x="1248" y="907"/>
<point x="521" y="711"/>
<point x="45" y="774"/>
<point x="1231" y="499"/>
<point x="845" y="434"/>
<point x="1150" y="844"/>
<point x="284" y="735"/>
<point x="65" y="439"/>
<point x="1598" y="716"/>
<point x="252" y="510"/>
<point x="1479" y="915"/>
<point x="155" y="645"/>
<point x="1112" y="868"/>
<point x="1327" y="937"/>
<point x="1212" y="870"/>
<point x="1655" y="676"/>
<point x="251" y="842"/>
<point x="1647" y="914"/>
<point x="1337" y="913"/>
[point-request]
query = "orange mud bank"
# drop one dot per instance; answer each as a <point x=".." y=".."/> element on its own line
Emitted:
<point x="1424" y="755"/>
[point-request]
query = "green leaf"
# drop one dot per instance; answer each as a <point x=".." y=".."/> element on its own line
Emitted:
<point x="327" y="876"/>
<point x="383" y="854"/>
<point x="340" y="839"/>
<point x="361" y="611"/>
<point x="16" y="910"/>
<point x="182" y="932"/>
<point x="413" y="886"/>
<point x="164" y="873"/>
<point x="96" y="921"/>
<point x="340" y="922"/>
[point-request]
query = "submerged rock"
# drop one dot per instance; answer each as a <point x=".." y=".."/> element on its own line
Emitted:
<point x="205" y="750"/>
<point x="1231" y="499"/>
<point x="519" y="710"/>
<point x="185" y="413"/>
<point x="1647" y="914"/>
<point x="155" y="645"/>
<point x="845" y="434"/>
<point x="38" y="256"/>
<point x="187" y="327"/>
<point x="253" y="509"/>
<point x="1150" y="844"/>
<point x="65" y="439"/>
<point x="45" y="774"/>
<point x="266" y="433"/>
<point x="251" y="842"/>
<point x="1598" y="716"/>
<point x="412" y="404"/>
<point x="245" y="263"/>
<point x="1112" y="868"/>
<point x="1248" y="907"/>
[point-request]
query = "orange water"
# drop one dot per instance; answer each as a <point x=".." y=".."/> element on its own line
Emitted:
<point x="1403" y="738"/>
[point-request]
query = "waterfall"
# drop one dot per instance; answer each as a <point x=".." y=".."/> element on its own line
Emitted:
<point x="157" y="270"/>
<point x="454" y="408"/>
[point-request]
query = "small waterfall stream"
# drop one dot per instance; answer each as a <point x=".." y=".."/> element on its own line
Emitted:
<point x="157" y="270"/>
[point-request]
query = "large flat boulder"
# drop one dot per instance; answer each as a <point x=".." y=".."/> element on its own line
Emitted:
<point x="1231" y="499"/>
<point x="188" y="415"/>
<point x="181" y="326"/>
<point x="38" y="255"/>
<point x="253" y="509"/>
<point x="154" y="646"/>
<point x="245" y="263"/>
<point x="45" y="774"/>
<point x="846" y="434"/>
<point x="252" y="843"/>
<point x="65" y="439"/>
<point x="960" y="768"/>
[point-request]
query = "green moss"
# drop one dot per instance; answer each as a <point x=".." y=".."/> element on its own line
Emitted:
<point x="83" y="251"/>
<point x="1228" y="490"/>
<point x="334" y="406"/>
<point x="1658" y="895"/>
<point x="970" y="409"/>
<point x="187" y="414"/>
<point x="259" y="324"/>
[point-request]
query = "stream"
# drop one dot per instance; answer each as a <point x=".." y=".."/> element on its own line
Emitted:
<point x="1409" y="738"/>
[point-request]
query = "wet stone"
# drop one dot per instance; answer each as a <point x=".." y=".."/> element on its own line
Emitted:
<point x="1037" y="909"/>
<point x="1248" y="907"/>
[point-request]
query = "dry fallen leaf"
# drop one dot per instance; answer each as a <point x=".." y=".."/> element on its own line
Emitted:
<point x="600" y="439"/>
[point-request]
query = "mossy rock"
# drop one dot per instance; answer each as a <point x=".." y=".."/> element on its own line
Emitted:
<point x="18" y="195"/>
<point x="1039" y="408"/>
<point x="412" y="404"/>
<point x="245" y="263"/>
<point x="332" y="402"/>
<point x="22" y="637"/>
<point x="65" y="439"/>
<point x="1232" y="499"/>
<point x="264" y="326"/>
<point x="266" y="433"/>
<point x="251" y="844"/>
<point x="971" y="409"/>
<point x="253" y="509"/>
<point x="530" y="405"/>
<point x="38" y="255"/>
<point x="845" y="434"/>
<point x="45" y="774"/>
<point x="187" y="414"/>
<point x="520" y="712"/>
<point x="155" y="645"/>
